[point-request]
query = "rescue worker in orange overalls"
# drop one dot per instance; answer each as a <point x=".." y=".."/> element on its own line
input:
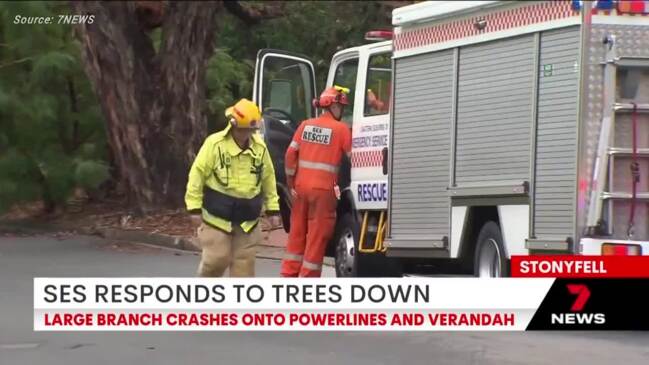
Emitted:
<point x="312" y="162"/>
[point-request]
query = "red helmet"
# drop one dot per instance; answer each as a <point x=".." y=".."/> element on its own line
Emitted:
<point x="332" y="95"/>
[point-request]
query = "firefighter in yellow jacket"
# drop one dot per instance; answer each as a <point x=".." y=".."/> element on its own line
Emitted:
<point x="231" y="182"/>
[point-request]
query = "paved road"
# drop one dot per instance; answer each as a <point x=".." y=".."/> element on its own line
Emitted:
<point x="23" y="258"/>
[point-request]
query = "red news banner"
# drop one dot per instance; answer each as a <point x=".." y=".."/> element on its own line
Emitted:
<point x="280" y="304"/>
<point x="320" y="320"/>
<point x="564" y="266"/>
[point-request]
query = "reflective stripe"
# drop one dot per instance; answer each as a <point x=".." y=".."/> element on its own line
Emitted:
<point x="289" y="172"/>
<point x="248" y="226"/>
<point x="292" y="257"/>
<point x="311" y="266"/>
<point x="294" y="145"/>
<point x="217" y="222"/>
<point x="319" y="166"/>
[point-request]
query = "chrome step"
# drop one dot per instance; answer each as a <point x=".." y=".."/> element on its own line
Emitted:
<point x="642" y="152"/>
<point x="632" y="62"/>
<point x="628" y="107"/>
<point x="617" y="195"/>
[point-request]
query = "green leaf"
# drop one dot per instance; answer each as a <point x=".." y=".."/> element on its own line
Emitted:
<point x="53" y="64"/>
<point x="17" y="181"/>
<point x="90" y="174"/>
<point x="4" y="142"/>
<point x="59" y="179"/>
<point x="4" y="99"/>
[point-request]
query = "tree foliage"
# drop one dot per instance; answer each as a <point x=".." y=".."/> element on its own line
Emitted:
<point x="316" y="29"/>
<point x="51" y="133"/>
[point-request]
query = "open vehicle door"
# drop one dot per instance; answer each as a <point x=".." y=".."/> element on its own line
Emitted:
<point x="284" y="89"/>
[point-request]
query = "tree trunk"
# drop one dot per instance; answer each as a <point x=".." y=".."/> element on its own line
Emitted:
<point x="153" y="102"/>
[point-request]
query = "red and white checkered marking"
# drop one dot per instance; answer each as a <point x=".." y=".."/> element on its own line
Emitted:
<point x="496" y="21"/>
<point x="367" y="158"/>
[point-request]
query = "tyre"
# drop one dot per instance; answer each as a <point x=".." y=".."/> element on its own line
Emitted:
<point x="345" y="238"/>
<point x="351" y="263"/>
<point x="490" y="259"/>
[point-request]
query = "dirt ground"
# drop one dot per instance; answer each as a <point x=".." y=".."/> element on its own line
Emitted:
<point x="116" y="213"/>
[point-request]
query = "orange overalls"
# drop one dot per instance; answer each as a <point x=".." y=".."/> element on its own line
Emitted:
<point x="312" y="162"/>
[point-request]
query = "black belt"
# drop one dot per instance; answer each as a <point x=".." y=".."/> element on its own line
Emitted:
<point x="233" y="209"/>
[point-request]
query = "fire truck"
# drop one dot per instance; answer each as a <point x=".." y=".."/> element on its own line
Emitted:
<point x="482" y="130"/>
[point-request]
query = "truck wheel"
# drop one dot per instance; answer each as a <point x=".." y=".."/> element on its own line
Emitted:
<point x="351" y="263"/>
<point x="490" y="259"/>
<point x="345" y="238"/>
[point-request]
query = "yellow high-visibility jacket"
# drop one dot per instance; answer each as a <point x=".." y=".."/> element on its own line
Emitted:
<point x="228" y="185"/>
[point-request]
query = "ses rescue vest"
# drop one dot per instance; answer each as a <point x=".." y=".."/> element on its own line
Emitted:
<point x="228" y="185"/>
<point x="314" y="155"/>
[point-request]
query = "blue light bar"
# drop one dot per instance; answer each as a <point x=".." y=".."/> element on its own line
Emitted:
<point x="599" y="4"/>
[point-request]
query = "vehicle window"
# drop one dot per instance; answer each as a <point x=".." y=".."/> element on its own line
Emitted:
<point x="346" y="77"/>
<point x="287" y="86"/>
<point x="378" y="88"/>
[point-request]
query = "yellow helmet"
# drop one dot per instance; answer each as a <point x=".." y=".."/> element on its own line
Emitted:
<point x="244" y="114"/>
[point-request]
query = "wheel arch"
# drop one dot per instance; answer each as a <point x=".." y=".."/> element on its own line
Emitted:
<point x="346" y="205"/>
<point x="477" y="217"/>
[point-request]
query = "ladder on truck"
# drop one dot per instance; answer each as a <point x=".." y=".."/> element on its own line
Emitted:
<point x="602" y="188"/>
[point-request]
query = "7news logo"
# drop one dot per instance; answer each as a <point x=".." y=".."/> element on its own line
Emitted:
<point x="577" y="315"/>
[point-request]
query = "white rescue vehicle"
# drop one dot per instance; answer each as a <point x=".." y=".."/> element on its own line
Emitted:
<point x="514" y="128"/>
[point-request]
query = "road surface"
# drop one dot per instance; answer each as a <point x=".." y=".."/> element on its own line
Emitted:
<point x="25" y="257"/>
